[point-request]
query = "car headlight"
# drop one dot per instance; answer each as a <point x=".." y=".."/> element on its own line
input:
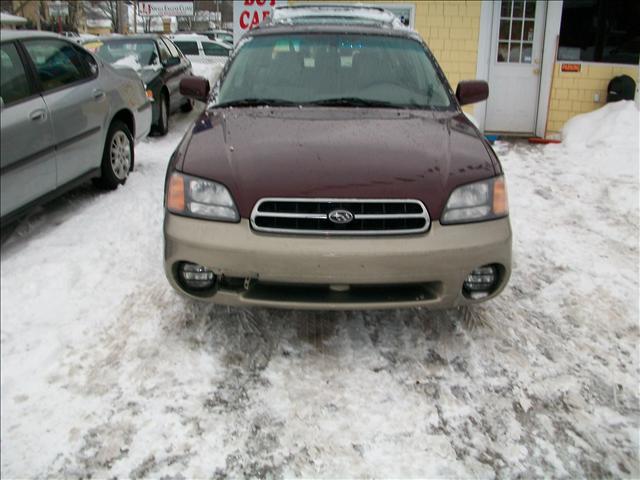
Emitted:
<point x="476" y="202"/>
<point x="196" y="197"/>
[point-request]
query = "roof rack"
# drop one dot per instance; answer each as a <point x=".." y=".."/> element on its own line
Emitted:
<point x="358" y="13"/>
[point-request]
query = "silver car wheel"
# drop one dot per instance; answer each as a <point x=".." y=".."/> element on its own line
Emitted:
<point x="120" y="153"/>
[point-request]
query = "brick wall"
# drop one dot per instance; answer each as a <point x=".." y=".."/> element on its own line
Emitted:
<point x="573" y="92"/>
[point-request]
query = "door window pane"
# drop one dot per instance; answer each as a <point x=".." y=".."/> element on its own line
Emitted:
<point x="503" y="52"/>
<point x="516" y="30"/>
<point x="527" y="49"/>
<point x="505" y="9"/>
<point x="528" y="32"/>
<point x="504" y="29"/>
<point x="530" y="9"/>
<point x="57" y="63"/>
<point x="514" y="53"/>
<point x="518" y="9"/>
<point x="14" y="85"/>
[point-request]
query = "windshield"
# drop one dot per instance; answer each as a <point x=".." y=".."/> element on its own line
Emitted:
<point x="123" y="52"/>
<point x="334" y="70"/>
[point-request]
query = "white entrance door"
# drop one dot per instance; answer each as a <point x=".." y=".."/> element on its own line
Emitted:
<point x="514" y="66"/>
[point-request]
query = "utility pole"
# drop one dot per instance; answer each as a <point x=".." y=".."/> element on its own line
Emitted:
<point x="121" y="16"/>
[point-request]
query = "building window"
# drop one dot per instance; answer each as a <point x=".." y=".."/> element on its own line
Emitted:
<point x="600" y="31"/>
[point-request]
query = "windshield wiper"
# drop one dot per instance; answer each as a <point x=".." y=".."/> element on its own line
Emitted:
<point x="353" y="102"/>
<point x="257" y="102"/>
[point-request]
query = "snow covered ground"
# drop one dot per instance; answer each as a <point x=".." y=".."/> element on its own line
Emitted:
<point x="107" y="372"/>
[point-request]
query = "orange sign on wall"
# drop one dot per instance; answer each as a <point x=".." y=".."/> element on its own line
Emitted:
<point x="571" y="67"/>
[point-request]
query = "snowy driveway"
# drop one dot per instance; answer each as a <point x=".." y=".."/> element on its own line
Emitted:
<point x="107" y="372"/>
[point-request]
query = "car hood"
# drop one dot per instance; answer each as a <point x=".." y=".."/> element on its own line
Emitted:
<point x="337" y="153"/>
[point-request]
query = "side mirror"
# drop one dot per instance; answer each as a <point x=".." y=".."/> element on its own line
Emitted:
<point x="472" y="91"/>
<point x="172" y="62"/>
<point x="195" y="87"/>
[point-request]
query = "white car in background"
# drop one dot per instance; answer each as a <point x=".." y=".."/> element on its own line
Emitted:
<point x="199" y="48"/>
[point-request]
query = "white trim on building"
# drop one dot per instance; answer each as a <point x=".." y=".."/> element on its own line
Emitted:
<point x="551" y="37"/>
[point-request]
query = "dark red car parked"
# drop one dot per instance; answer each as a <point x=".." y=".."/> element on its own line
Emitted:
<point x="334" y="169"/>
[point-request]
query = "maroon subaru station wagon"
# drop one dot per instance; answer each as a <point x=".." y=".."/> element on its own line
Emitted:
<point x="334" y="169"/>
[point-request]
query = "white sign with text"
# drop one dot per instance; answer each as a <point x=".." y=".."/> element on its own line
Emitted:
<point x="247" y="14"/>
<point x="165" y="9"/>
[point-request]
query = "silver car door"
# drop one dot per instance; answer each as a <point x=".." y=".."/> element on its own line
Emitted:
<point x="76" y="101"/>
<point x="27" y="145"/>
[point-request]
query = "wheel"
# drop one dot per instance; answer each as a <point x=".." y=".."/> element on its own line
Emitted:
<point x="187" y="107"/>
<point x="117" y="159"/>
<point x="162" y="127"/>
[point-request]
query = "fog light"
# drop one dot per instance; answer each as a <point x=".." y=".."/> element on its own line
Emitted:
<point x="195" y="276"/>
<point x="481" y="281"/>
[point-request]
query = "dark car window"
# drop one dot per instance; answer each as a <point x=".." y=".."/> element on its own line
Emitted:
<point x="187" y="47"/>
<point x="164" y="51"/>
<point x="89" y="61"/>
<point x="344" y="68"/>
<point x="14" y="84"/>
<point x="127" y="51"/>
<point x="57" y="63"/>
<point x="172" y="48"/>
<point x="211" y="49"/>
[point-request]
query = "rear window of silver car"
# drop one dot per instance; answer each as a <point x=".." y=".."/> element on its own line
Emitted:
<point x="305" y="68"/>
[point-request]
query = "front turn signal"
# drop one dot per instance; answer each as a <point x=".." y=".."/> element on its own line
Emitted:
<point x="500" y="201"/>
<point x="175" y="193"/>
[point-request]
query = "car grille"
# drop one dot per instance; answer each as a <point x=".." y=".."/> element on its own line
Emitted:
<point x="311" y="216"/>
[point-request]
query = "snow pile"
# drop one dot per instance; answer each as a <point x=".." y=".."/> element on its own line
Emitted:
<point x="613" y="125"/>
<point x="209" y="70"/>
<point x="130" y="61"/>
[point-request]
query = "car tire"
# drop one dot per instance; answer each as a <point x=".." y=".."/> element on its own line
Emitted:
<point x="117" y="158"/>
<point x="187" y="107"/>
<point x="162" y="127"/>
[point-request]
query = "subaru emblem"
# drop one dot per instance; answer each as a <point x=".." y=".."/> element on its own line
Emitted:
<point x="340" y="216"/>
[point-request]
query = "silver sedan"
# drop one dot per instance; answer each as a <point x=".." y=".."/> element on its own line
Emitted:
<point x="65" y="117"/>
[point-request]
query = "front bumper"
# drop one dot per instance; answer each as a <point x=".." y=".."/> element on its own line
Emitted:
<point x="295" y="271"/>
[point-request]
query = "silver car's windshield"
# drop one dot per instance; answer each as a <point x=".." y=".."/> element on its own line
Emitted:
<point x="333" y="70"/>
